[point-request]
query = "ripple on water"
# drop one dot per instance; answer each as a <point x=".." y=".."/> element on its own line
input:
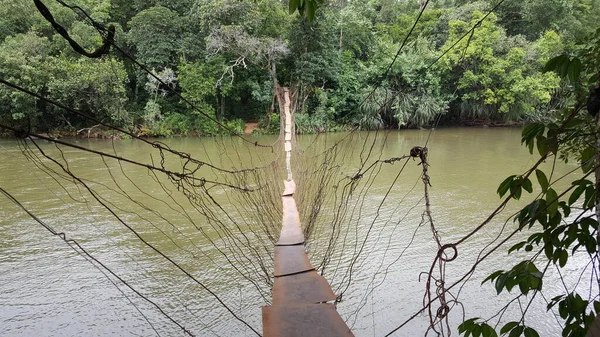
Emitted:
<point x="47" y="290"/>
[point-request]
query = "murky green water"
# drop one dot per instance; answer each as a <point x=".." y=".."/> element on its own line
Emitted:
<point x="48" y="289"/>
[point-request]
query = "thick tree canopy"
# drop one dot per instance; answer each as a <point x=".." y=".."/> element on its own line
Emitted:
<point x="227" y="56"/>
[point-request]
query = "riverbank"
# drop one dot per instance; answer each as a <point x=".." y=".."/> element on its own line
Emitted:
<point x="250" y="129"/>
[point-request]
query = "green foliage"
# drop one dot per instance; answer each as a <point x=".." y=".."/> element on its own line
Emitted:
<point x="306" y="8"/>
<point x="418" y="89"/>
<point x="528" y="62"/>
<point x="228" y="55"/>
<point x="515" y="184"/>
<point x="428" y="25"/>
<point x="369" y="115"/>
<point x="270" y="124"/>
<point x="95" y="87"/>
<point x="514" y="329"/>
<point x="574" y="309"/>
<point x="525" y="275"/>
<point x="15" y="17"/>
<point x="152" y="115"/>
<point x="155" y="35"/>
<point x="547" y="46"/>
<point x="562" y="223"/>
<point x="23" y="61"/>
<point x="472" y="328"/>
<point x="173" y="124"/>
<point x="494" y="82"/>
<point x="198" y="80"/>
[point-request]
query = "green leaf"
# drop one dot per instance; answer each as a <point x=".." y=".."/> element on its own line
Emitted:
<point x="530" y="145"/>
<point x="508" y="327"/>
<point x="516" y="332"/>
<point x="573" y="123"/>
<point x="555" y="300"/>
<point x="505" y="186"/>
<point x="563" y="311"/>
<point x="533" y="210"/>
<point x="517" y="246"/>
<point x="476" y="331"/>
<point x="530" y="132"/>
<point x="556" y="255"/>
<point x="492" y="277"/>
<point x="294" y="4"/>
<point x="571" y="235"/>
<point x="535" y="283"/>
<point x="311" y="9"/>
<point x="542" y="213"/>
<point x="548" y="250"/>
<point x="542" y="145"/>
<point x="529" y="332"/>
<point x="576" y="194"/>
<point x="516" y="189"/>
<point x="467" y="325"/>
<point x="488" y="331"/>
<point x="583" y="182"/>
<point x="562" y="259"/>
<point x="556" y="63"/>
<point x="533" y="269"/>
<point x="552" y="201"/>
<point x="527" y="186"/>
<point x="524" y="287"/>
<point x="542" y="180"/>
<point x="574" y="70"/>
<point x="543" y="217"/>
<point x="566" y="209"/>
<point x="590" y="197"/>
<point x="552" y="145"/>
<point x="500" y="282"/>
<point x="590" y="245"/>
<point x="587" y="159"/>
<point x="524" y="215"/>
<point x="591" y="222"/>
<point x="563" y="69"/>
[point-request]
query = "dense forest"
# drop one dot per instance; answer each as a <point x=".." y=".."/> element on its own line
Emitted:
<point x="207" y="67"/>
<point x="224" y="56"/>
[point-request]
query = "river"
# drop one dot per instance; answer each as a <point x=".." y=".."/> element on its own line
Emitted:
<point x="48" y="289"/>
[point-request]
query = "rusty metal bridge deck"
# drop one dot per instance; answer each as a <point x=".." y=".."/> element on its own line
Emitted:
<point x="300" y="295"/>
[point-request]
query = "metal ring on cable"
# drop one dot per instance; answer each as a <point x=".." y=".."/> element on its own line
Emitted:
<point x="441" y="252"/>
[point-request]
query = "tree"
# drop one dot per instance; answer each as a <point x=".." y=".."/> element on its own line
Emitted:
<point x="533" y="18"/>
<point x="23" y="61"/>
<point x="246" y="41"/>
<point x="490" y="73"/>
<point x="418" y="90"/>
<point x="154" y="34"/>
<point x="94" y="87"/>
<point x="15" y="17"/>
